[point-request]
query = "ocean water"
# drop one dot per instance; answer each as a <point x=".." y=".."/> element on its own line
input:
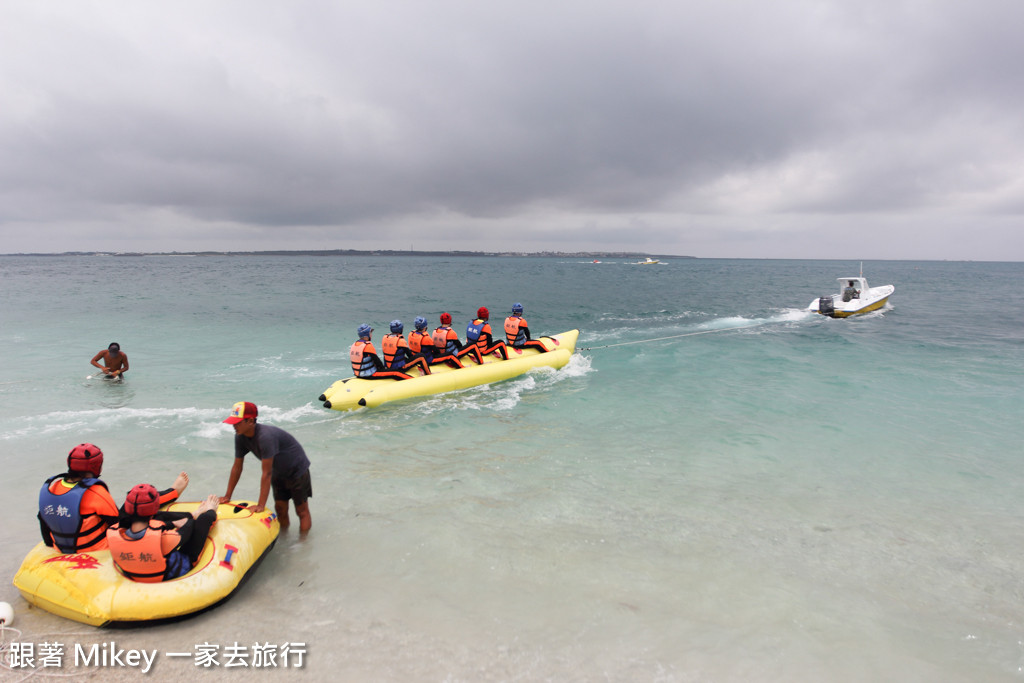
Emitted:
<point x="720" y="486"/>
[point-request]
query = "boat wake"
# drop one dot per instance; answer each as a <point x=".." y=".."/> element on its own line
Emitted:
<point x="592" y="341"/>
<point x="648" y="317"/>
<point x="199" y="422"/>
<point x="504" y="396"/>
<point x="318" y="366"/>
<point x="102" y="420"/>
<point x="780" y="320"/>
<point x="789" y="315"/>
<point x="296" y="417"/>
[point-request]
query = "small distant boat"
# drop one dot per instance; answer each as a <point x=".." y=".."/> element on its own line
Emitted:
<point x="596" y="261"/>
<point x="855" y="297"/>
<point x="647" y="262"/>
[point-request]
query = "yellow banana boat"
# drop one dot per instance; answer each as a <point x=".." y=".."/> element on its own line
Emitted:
<point x="88" y="588"/>
<point x="352" y="393"/>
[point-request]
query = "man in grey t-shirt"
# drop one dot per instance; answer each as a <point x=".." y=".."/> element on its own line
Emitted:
<point x="285" y="465"/>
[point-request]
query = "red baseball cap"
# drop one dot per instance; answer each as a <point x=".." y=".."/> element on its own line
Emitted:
<point x="243" y="410"/>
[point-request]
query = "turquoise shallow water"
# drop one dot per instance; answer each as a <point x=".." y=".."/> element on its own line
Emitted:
<point x="762" y="494"/>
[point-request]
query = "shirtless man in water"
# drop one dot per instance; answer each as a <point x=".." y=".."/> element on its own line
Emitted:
<point x="114" y="359"/>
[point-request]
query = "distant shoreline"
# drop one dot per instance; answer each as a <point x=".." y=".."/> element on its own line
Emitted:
<point x="375" y="252"/>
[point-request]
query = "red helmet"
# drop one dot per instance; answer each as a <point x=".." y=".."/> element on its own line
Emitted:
<point x="142" y="501"/>
<point x="446" y="318"/>
<point x="483" y="313"/>
<point x="86" y="457"/>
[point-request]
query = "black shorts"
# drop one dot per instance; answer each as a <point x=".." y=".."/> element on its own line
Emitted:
<point x="298" y="489"/>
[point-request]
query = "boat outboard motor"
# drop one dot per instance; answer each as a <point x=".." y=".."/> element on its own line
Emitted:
<point x="826" y="307"/>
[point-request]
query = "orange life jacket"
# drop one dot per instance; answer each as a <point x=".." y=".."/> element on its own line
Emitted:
<point x="418" y="340"/>
<point x="362" y="361"/>
<point x="513" y="334"/>
<point x="143" y="559"/>
<point x="441" y="336"/>
<point x="390" y="345"/>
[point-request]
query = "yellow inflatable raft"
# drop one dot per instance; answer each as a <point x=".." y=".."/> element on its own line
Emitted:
<point x="88" y="588"/>
<point x="352" y="392"/>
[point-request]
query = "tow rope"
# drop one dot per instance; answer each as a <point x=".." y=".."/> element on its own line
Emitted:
<point x="675" y="336"/>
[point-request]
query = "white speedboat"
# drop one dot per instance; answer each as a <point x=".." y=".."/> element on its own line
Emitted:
<point x="854" y="298"/>
<point x="647" y="262"/>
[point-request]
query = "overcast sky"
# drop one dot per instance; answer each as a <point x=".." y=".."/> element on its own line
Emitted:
<point x="863" y="129"/>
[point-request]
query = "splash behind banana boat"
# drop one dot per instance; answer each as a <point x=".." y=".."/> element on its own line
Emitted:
<point x="88" y="588"/>
<point x="352" y="393"/>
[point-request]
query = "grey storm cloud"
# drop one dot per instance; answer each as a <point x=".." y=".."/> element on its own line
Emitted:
<point x="708" y="128"/>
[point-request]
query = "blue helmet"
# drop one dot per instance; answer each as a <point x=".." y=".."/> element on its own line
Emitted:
<point x="364" y="330"/>
<point x="420" y="322"/>
<point x="396" y="327"/>
<point x="517" y="308"/>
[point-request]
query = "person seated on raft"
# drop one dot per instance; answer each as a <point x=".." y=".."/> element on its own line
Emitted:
<point x="447" y="342"/>
<point x="518" y="333"/>
<point x="366" y="364"/>
<point x="422" y="344"/>
<point x="479" y="333"/>
<point x="149" y="545"/>
<point x="397" y="354"/>
<point x="75" y="508"/>
<point x="850" y="292"/>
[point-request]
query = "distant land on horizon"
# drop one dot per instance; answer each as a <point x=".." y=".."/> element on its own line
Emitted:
<point x="361" y="252"/>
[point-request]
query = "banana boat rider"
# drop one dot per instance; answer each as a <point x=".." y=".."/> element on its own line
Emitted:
<point x="479" y="332"/>
<point x="422" y="344"/>
<point x="397" y="354"/>
<point x="446" y="341"/>
<point x="76" y="508"/>
<point x="366" y="364"/>
<point x="517" y="332"/>
<point x="149" y="545"/>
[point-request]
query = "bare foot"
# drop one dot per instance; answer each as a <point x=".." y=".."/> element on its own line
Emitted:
<point x="180" y="483"/>
<point x="210" y="503"/>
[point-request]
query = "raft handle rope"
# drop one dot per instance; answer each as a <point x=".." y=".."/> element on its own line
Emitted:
<point x="675" y="336"/>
